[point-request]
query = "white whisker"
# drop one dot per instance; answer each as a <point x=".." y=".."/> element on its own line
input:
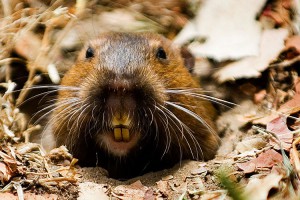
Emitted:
<point x="189" y="92"/>
<point x="194" y="115"/>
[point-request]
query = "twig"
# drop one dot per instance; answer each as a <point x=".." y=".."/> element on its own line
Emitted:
<point x="286" y="161"/>
<point x="80" y="6"/>
<point x="24" y="92"/>
<point x="19" y="189"/>
<point x="57" y="179"/>
<point x="10" y="60"/>
<point x="286" y="63"/>
<point x="6" y="7"/>
<point x="27" y="132"/>
<point x="295" y="155"/>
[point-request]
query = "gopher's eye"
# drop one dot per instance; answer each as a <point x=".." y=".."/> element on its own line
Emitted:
<point x="161" y="54"/>
<point x="89" y="53"/>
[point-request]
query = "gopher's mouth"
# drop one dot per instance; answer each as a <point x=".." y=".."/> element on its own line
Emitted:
<point x="121" y="139"/>
<point x="121" y="128"/>
<point x="121" y="133"/>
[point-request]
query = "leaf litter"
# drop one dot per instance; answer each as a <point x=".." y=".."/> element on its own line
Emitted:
<point x="257" y="71"/>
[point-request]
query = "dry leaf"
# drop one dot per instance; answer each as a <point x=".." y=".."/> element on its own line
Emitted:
<point x="5" y="173"/>
<point x="31" y="196"/>
<point x="199" y="170"/>
<point x="163" y="187"/>
<point x="278" y="126"/>
<point x="265" y="160"/>
<point x="149" y="195"/>
<point x="259" y="96"/>
<point x="279" y="12"/>
<point x="8" y="167"/>
<point x="249" y="144"/>
<point x="272" y="42"/>
<point x="60" y="153"/>
<point x="290" y="107"/>
<point x="259" y="189"/>
<point x="268" y="159"/>
<point x="91" y="191"/>
<point x="214" y="195"/>
<point x="293" y="105"/>
<point x="228" y="28"/>
<point x="28" y="45"/>
<point x="293" y="42"/>
<point x="134" y="191"/>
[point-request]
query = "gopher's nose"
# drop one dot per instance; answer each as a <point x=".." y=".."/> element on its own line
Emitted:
<point x="121" y="98"/>
<point x="121" y="102"/>
<point x="119" y="85"/>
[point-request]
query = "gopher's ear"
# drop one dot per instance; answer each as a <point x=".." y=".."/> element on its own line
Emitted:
<point x="188" y="58"/>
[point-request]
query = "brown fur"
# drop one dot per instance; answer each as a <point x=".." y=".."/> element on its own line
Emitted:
<point x="133" y="55"/>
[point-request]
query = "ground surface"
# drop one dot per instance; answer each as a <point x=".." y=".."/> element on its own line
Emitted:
<point x="246" y="53"/>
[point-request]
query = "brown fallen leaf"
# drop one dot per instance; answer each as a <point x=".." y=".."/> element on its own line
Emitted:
<point x="199" y="170"/>
<point x="290" y="52"/>
<point x="28" y="45"/>
<point x="259" y="188"/>
<point x="293" y="105"/>
<point x="290" y="107"/>
<point x="149" y="195"/>
<point x="250" y="143"/>
<point x="268" y="159"/>
<point x="247" y="167"/>
<point x="279" y="128"/>
<point x="293" y="42"/>
<point x="31" y="196"/>
<point x="211" y="195"/>
<point x="8" y="166"/>
<point x="265" y="160"/>
<point x="163" y="187"/>
<point x="259" y="96"/>
<point x="134" y="191"/>
<point x="5" y="173"/>
<point x="279" y="12"/>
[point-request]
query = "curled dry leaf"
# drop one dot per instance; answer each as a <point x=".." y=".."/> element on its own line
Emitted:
<point x="31" y="196"/>
<point x="9" y="166"/>
<point x="149" y="195"/>
<point x="28" y="45"/>
<point x="290" y="107"/>
<point x="217" y="194"/>
<point x="279" y="128"/>
<point x="278" y="12"/>
<point x="59" y="154"/>
<point x="293" y="105"/>
<point x="163" y="187"/>
<point x="91" y="191"/>
<point x="290" y="55"/>
<point x="226" y="34"/>
<point x="166" y="178"/>
<point x="27" y="148"/>
<point x="199" y="170"/>
<point x="265" y="160"/>
<point x="259" y="96"/>
<point x="5" y="173"/>
<point x="259" y="188"/>
<point x="134" y="191"/>
<point x="293" y="42"/>
<point x="249" y="144"/>
<point x="272" y="42"/>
